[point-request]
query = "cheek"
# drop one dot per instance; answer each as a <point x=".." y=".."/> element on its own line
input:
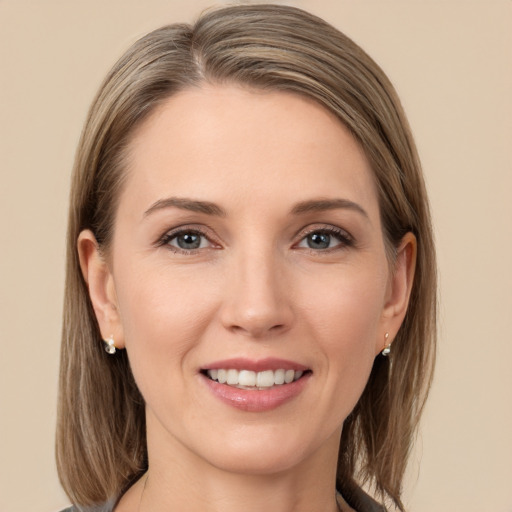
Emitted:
<point x="162" y="321"/>
<point x="345" y="320"/>
<point x="347" y="306"/>
<point x="154" y="298"/>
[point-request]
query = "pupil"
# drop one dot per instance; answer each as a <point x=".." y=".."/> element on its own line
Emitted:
<point x="189" y="241"/>
<point x="319" y="240"/>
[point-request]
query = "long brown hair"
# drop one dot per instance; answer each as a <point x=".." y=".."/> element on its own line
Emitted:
<point x="101" y="444"/>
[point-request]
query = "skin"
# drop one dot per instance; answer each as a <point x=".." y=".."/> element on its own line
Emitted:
<point x="255" y="288"/>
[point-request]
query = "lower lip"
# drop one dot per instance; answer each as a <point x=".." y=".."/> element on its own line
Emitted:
<point x="257" y="400"/>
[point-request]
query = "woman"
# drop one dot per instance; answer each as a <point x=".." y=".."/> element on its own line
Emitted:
<point x="250" y="296"/>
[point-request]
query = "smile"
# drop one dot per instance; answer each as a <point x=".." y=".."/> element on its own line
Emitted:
<point x="256" y="385"/>
<point x="252" y="380"/>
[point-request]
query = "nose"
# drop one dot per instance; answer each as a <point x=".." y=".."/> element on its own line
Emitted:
<point x="257" y="297"/>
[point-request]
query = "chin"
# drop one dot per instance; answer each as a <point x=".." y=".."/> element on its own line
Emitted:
<point x="261" y="455"/>
<point x="257" y="463"/>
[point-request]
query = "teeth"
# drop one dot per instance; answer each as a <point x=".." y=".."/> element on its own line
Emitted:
<point x="265" y="379"/>
<point x="246" y="378"/>
<point x="232" y="378"/>
<point x="279" y="377"/>
<point x="249" y="379"/>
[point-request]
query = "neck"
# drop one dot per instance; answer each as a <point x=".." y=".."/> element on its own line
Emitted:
<point x="178" y="479"/>
<point x="235" y="494"/>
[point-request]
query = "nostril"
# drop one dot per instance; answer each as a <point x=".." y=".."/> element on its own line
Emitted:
<point x="258" y="330"/>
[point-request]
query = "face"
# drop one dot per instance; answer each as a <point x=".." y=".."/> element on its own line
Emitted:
<point x="247" y="278"/>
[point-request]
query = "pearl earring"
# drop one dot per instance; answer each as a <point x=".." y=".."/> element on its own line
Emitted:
<point x="387" y="349"/>
<point x="109" y="345"/>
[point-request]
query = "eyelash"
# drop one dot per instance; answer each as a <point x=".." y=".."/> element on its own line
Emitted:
<point x="165" y="240"/>
<point x="345" y="239"/>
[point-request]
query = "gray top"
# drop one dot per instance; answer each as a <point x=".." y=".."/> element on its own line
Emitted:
<point x="104" y="507"/>
<point x="359" y="501"/>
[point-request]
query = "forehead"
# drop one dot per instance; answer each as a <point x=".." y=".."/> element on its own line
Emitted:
<point x="227" y="142"/>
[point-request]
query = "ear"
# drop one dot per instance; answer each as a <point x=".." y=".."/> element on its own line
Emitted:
<point x="100" y="283"/>
<point x="398" y="290"/>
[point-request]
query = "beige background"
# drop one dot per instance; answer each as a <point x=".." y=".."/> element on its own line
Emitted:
<point x="451" y="63"/>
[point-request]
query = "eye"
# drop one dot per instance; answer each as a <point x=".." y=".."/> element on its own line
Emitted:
<point x="325" y="238"/>
<point x="186" y="240"/>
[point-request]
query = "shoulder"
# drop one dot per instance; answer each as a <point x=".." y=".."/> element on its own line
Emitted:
<point x="103" y="507"/>
<point x="359" y="501"/>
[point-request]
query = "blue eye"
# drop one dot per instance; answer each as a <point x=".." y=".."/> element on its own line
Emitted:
<point x="319" y="240"/>
<point x="322" y="239"/>
<point x="189" y="240"/>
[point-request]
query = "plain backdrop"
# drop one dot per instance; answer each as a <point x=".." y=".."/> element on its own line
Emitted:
<point x="451" y="62"/>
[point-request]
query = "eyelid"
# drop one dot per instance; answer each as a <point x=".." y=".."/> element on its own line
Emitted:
<point x="172" y="233"/>
<point x="346" y="239"/>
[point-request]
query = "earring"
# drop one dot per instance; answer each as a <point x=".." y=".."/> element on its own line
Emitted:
<point x="387" y="349"/>
<point x="109" y="345"/>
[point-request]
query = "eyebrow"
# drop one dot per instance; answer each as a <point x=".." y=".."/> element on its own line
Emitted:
<point x="320" y="205"/>
<point x="192" y="205"/>
<point x="209" y="208"/>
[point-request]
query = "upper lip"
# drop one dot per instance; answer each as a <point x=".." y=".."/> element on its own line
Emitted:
<point x="258" y="365"/>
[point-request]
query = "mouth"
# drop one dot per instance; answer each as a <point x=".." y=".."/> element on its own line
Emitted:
<point x="256" y="385"/>
<point x="255" y="380"/>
